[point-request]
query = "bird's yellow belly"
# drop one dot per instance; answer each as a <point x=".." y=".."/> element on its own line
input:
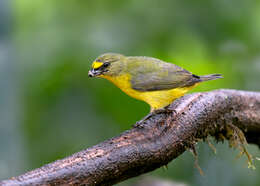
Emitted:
<point x="162" y="98"/>
<point x="156" y="99"/>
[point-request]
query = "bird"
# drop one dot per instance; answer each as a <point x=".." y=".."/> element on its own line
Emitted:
<point x="149" y="79"/>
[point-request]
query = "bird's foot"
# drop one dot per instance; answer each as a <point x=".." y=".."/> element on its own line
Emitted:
<point x="142" y="123"/>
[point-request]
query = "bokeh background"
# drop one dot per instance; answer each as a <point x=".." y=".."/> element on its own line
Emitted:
<point x="50" y="109"/>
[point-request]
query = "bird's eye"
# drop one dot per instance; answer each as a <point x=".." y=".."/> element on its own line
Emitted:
<point x="106" y="64"/>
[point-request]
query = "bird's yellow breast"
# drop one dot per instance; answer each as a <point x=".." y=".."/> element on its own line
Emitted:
<point x="156" y="99"/>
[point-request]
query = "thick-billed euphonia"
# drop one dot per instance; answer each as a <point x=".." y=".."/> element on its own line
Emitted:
<point x="154" y="81"/>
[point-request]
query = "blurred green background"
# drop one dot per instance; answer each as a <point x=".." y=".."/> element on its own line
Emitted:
<point x="50" y="109"/>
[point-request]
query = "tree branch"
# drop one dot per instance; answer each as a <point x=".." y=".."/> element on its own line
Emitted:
<point x="164" y="137"/>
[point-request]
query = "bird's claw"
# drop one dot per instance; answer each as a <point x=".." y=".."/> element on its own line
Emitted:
<point x="142" y="123"/>
<point x="139" y="124"/>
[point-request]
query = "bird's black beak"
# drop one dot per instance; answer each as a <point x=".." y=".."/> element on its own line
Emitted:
<point x="90" y="73"/>
<point x="93" y="73"/>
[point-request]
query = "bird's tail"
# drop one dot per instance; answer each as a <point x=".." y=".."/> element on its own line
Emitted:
<point x="208" y="77"/>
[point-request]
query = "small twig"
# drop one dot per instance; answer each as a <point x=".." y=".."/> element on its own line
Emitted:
<point x="196" y="160"/>
<point x="213" y="148"/>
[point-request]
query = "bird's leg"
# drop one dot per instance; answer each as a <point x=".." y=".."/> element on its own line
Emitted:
<point x="141" y="123"/>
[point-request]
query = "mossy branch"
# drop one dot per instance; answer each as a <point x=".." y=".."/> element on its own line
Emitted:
<point x="223" y="114"/>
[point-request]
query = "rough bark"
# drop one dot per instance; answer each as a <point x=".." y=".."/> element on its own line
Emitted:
<point x="164" y="137"/>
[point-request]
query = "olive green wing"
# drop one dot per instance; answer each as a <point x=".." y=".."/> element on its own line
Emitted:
<point x="151" y="76"/>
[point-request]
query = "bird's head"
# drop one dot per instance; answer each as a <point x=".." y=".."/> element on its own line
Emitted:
<point x="109" y="64"/>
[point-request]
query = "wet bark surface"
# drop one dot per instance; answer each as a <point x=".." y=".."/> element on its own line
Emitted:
<point x="162" y="138"/>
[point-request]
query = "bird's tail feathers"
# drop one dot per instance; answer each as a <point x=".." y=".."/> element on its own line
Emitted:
<point x="208" y="77"/>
